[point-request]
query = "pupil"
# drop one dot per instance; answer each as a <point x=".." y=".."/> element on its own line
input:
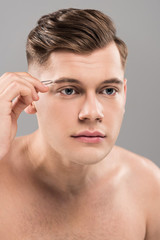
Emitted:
<point x="110" y="90"/>
<point x="69" y="91"/>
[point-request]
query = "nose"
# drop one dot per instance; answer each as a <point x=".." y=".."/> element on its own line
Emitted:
<point x="91" y="109"/>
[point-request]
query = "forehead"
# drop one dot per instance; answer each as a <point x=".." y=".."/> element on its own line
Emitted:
<point x="103" y="63"/>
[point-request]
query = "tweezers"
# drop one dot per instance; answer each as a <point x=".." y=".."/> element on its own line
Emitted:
<point x="47" y="82"/>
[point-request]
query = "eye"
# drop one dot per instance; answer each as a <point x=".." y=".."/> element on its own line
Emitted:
<point x="68" y="91"/>
<point x="110" y="91"/>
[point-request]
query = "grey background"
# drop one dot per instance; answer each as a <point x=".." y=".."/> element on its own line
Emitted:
<point x="137" y="24"/>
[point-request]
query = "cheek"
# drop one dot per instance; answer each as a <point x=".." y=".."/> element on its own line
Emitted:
<point x="113" y="117"/>
<point x="56" y="112"/>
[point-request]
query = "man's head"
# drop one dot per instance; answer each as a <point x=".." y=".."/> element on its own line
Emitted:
<point x="92" y="54"/>
<point x="80" y="31"/>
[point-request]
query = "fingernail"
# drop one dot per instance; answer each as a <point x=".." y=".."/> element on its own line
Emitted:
<point x="36" y="96"/>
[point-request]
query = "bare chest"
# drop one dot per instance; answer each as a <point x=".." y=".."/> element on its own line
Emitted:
<point x="101" y="218"/>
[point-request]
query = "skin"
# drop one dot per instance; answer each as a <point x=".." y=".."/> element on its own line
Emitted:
<point x="65" y="188"/>
<point x="75" y="113"/>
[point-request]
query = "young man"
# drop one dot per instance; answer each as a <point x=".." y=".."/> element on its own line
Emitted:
<point x="68" y="180"/>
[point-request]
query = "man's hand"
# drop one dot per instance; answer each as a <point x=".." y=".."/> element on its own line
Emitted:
<point x="23" y="88"/>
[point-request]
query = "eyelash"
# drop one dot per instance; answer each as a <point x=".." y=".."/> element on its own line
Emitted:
<point x="73" y="88"/>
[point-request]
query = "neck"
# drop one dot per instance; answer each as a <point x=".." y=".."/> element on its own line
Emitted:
<point x="59" y="174"/>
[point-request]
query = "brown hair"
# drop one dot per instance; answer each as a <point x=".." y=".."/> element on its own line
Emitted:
<point x="79" y="31"/>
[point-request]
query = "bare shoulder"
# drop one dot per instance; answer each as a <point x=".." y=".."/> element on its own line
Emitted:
<point x="143" y="171"/>
<point x="144" y="179"/>
<point x="139" y="163"/>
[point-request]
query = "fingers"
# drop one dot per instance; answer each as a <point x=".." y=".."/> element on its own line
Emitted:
<point x="9" y="78"/>
<point x="22" y="87"/>
<point x="18" y="89"/>
<point x="19" y="105"/>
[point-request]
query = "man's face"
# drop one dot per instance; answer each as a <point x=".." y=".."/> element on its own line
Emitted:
<point x="69" y="108"/>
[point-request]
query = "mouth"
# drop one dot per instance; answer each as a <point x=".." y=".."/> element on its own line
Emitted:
<point x="89" y="139"/>
<point x="88" y="136"/>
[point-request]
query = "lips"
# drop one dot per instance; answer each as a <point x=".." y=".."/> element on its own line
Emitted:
<point x="90" y="134"/>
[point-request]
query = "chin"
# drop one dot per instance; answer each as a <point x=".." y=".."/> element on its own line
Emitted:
<point x="88" y="158"/>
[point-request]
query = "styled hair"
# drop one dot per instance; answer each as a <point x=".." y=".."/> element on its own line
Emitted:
<point x="80" y="31"/>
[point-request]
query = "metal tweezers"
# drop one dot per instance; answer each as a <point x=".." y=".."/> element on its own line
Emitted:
<point x="47" y="82"/>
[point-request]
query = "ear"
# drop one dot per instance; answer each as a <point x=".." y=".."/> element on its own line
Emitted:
<point x="125" y="89"/>
<point x="31" y="109"/>
<point x="125" y="92"/>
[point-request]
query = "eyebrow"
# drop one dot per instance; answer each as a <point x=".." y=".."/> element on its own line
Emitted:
<point x="71" y="80"/>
